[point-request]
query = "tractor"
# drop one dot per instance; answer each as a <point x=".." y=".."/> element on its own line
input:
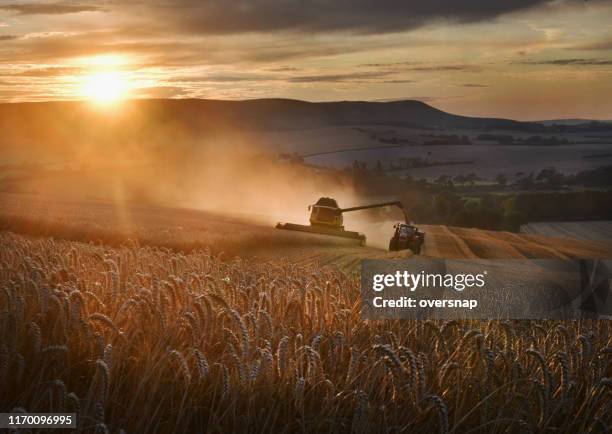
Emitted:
<point x="407" y="236"/>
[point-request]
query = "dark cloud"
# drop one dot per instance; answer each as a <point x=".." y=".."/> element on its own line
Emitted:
<point x="419" y="67"/>
<point x="366" y="16"/>
<point x="283" y="69"/>
<point x="156" y="29"/>
<point x="358" y="77"/>
<point x="241" y="16"/>
<point x="281" y="52"/>
<point x="399" y="81"/>
<point x="577" y="61"/>
<point x="388" y="65"/>
<point x="57" y="8"/>
<point x="338" y="78"/>
<point x="474" y="85"/>
<point x="438" y="68"/>
<point x="219" y="78"/>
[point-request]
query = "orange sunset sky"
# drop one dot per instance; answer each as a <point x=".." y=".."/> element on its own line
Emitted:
<point x="522" y="59"/>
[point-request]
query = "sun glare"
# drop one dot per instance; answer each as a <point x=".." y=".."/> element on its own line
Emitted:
<point x="105" y="87"/>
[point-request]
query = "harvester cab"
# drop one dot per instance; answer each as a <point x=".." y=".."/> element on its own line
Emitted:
<point x="327" y="213"/>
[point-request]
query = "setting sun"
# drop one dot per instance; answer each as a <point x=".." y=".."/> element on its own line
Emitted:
<point x="105" y="87"/>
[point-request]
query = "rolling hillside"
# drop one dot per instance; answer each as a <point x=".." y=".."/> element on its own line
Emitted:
<point x="61" y="123"/>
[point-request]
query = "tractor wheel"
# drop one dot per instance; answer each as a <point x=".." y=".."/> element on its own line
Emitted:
<point x="393" y="245"/>
<point x="416" y="248"/>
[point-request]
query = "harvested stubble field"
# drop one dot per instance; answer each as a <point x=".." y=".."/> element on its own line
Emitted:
<point x="594" y="230"/>
<point x="253" y="236"/>
<point x="144" y="339"/>
<point x="458" y="243"/>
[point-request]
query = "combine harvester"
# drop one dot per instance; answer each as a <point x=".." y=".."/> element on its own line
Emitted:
<point x="326" y="219"/>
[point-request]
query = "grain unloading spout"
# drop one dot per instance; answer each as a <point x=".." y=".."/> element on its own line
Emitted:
<point x="377" y="205"/>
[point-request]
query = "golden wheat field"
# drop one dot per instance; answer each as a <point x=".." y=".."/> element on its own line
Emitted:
<point x="143" y="339"/>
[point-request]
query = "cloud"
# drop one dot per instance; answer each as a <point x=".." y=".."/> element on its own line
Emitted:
<point x="50" y="71"/>
<point x="161" y="92"/>
<point x="219" y="78"/>
<point x="605" y="44"/>
<point x="180" y="50"/>
<point x="361" y="16"/>
<point x="310" y="49"/>
<point x="420" y="67"/>
<point x="575" y="61"/>
<point x="371" y="77"/>
<point x="399" y="81"/>
<point x="57" y="45"/>
<point x="338" y="78"/>
<point x="207" y="17"/>
<point x="57" y="8"/>
<point x="234" y="77"/>
<point x="283" y="69"/>
<point x="388" y="64"/>
<point x="165" y="34"/>
<point x="438" y="68"/>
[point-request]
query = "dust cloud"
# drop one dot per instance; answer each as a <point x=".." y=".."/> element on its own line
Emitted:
<point x="228" y="176"/>
<point x="236" y="179"/>
<point x="223" y="171"/>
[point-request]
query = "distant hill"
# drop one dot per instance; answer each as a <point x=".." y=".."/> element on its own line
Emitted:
<point x="56" y="123"/>
<point x="293" y="114"/>
<point x="572" y="122"/>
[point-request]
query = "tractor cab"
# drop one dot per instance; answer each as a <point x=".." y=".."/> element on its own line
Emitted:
<point x="404" y="231"/>
<point x="407" y="236"/>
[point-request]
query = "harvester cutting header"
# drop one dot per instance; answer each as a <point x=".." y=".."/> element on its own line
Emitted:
<point x="326" y="218"/>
